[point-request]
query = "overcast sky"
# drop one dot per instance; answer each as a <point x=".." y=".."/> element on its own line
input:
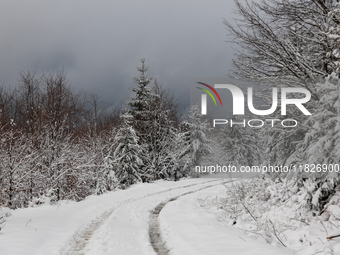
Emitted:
<point x="100" y="43"/>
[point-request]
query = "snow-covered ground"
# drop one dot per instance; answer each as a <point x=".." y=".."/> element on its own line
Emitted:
<point x="189" y="229"/>
<point x="118" y="223"/>
<point x="114" y="223"/>
<point x="188" y="221"/>
<point x="277" y="213"/>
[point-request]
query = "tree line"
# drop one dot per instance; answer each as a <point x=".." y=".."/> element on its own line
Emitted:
<point x="57" y="144"/>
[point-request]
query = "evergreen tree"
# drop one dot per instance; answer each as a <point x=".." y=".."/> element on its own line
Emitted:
<point x="152" y="113"/>
<point x="127" y="154"/>
<point x="139" y="108"/>
<point x="139" y="105"/>
<point x="161" y="139"/>
<point x="196" y="143"/>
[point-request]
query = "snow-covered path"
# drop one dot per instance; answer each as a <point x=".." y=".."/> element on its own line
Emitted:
<point x="189" y="230"/>
<point x="127" y="230"/>
<point x="117" y="223"/>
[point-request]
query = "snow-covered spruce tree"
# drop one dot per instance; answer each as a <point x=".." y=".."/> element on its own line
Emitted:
<point x="195" y="141"/>
<point x="139" y="110"/>
<point x="153" y="117"/>
<point x="139" y="105"/>
<point x="127" y="154"/>
<point x="172" y="162"/>
<point x="161" y="139"/>
<point x="241" y="145"/>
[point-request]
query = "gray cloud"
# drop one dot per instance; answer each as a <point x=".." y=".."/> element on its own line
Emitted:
<point x="99" y="43"/>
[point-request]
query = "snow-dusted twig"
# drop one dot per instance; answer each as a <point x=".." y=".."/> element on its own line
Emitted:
<point x="323" y="225"/>
<point x="299" y="220"/>
<point x="2" y="221"/>
<point x="28" y="222"/>
<point x="331" y="237"/>
<point x="278" y="238"/>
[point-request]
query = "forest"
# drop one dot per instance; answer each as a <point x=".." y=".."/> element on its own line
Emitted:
<point x="58" y="144"/>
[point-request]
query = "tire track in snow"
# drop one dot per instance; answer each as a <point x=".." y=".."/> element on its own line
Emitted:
<point x="78" y="243"/>
<point x="82" y="238"/>
<point x="156" y="239"/>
